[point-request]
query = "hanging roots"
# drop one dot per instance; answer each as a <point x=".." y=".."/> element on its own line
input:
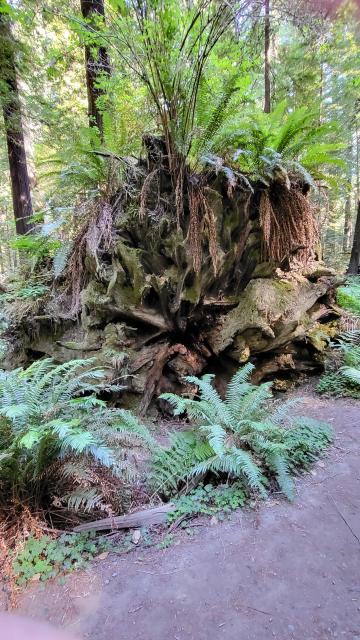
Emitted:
<point x="145" y="191"/>
<point x="202" y="220"/>
<point x="195" y="227"/>
<point x="288" y="225"/>
<point x="179" y="196"/>
<point x="96" y="234"/>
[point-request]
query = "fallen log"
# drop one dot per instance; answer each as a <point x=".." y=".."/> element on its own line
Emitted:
<point x="145" y="518"/>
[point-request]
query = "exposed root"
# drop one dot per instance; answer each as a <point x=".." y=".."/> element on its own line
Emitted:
<point x="210" y="226"/>
<point x="288" y="224"/>
<point x="349" y="322"/>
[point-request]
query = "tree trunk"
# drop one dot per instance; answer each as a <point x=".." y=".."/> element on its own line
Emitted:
<point x="354" y="263"/>
<point x="347" y="225"/>
<point x="267" y="95"/>
<point x="96" y="60"/>
<point x="11" y="107"/>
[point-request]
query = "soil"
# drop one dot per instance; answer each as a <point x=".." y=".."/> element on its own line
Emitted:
<point x="285" y="571"/>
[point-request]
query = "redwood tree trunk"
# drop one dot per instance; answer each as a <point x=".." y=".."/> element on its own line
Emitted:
<point x="347" y="225"/>
<point x="11" y="107"/>
<point x="354" y="263"/>
<point x="97" y="62"/>
<point x="267" y="97"/>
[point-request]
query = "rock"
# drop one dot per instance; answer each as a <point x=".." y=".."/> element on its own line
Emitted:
<point x="136" y="536"/>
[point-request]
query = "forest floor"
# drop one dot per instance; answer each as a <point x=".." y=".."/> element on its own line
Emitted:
<point x="289" y="571"/>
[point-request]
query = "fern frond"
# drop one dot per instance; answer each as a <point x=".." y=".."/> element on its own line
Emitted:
<point x="352" y="374"/>
<point x="239" y="384"/>
<point x="85" y="499"/>
<point x="245" y="436"/>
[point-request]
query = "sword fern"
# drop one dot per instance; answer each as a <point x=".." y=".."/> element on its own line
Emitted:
<point x="246" y="436"/>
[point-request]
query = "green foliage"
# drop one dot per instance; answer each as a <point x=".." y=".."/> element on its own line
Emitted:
<point x="333" y="384"/>
<point x="348" y="296"/>
<point x="306" y="442"/>
<point x="46" y="557"/>
<point x="55" y="431"/>
<point x="20" y="291"/>
<point x="170" y="45"/>
<point x="36" y="247"/>
<point x="262" y="144"/>
<point x="243" y="436"/>
<point x="208" y="501"/>
<point x="343" y="379"/>
<point x="77" y="169"/>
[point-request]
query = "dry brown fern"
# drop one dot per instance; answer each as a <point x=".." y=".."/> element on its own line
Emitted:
<point x="95" y="234"/>
<point x="201" y="222"/>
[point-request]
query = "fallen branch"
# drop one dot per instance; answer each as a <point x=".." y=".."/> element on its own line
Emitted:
<point x="145" y="518"/>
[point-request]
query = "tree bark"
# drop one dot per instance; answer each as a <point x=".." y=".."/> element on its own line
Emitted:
<point x="11" y="107"/>
<point x="347" y="225"/>
<point x="354" y="263"/>
<point x="267" y="86"/>
<point x="97" y="62"/>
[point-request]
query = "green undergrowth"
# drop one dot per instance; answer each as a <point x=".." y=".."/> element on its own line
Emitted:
<point x="24" y="292"/>
<point x="247" y="437"/>
<point x="209" y="500"/>
<point x="45" y="557"/>
<point x="348" y="296"/>
<point x="342" y="375"/>
<point x="334" y="384"/>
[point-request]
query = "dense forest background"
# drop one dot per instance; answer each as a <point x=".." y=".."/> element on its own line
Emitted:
<point x="102" y="61"/>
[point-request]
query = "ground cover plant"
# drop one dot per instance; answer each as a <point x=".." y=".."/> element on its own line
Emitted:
<point x="59" y="440"/>
<point x="209" y="500"/>
<point x="47" y="557"/>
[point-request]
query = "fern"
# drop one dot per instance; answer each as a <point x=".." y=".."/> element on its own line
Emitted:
<point x="60" y="258"/>
<point x="85" y="499"/>
<point x="49" y="416"/>
<point x="245" y="436"/>
<point x="343" y="380"/>
<point x="261" y="144"/>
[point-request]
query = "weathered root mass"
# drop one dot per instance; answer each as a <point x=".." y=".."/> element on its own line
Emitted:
<point x="163" y="295"/>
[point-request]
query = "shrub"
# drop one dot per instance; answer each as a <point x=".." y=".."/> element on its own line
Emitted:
<point x="244" y="436"/>
<point x="55" y="431"/>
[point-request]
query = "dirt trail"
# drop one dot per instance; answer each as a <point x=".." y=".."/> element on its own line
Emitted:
<point x="287" y="571"/>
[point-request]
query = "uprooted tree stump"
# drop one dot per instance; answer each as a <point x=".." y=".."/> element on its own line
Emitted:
<point x="169" y="281"/>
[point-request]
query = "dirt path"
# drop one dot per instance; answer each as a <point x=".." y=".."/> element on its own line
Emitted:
<point x="287" y="571"/>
